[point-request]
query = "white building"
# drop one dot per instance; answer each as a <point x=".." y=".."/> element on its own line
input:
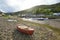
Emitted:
<point x="56" y="14"/>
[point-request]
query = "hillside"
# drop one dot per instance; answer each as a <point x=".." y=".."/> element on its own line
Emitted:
<point x="45" y="9"/>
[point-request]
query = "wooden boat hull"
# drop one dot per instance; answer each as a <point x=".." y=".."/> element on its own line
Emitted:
<point x="29" y="32"/>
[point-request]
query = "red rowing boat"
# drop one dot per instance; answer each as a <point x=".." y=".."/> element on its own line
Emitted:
<point x="25" y="29"/>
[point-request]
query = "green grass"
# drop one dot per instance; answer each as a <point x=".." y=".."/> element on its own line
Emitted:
<point x="57" y="30"/>
<point x="5" y="16"/>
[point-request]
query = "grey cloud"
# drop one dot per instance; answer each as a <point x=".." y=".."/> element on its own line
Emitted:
<point x="5" y="7"/>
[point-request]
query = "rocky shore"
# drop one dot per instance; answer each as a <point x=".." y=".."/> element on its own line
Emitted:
<point x="8" y="31"/>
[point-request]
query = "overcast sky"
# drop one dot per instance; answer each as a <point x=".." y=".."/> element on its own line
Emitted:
<point x="16" y="5"/>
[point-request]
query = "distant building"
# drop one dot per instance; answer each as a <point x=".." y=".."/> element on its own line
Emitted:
<point x="56" y="14"/>
<point x="32" y="15"/>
